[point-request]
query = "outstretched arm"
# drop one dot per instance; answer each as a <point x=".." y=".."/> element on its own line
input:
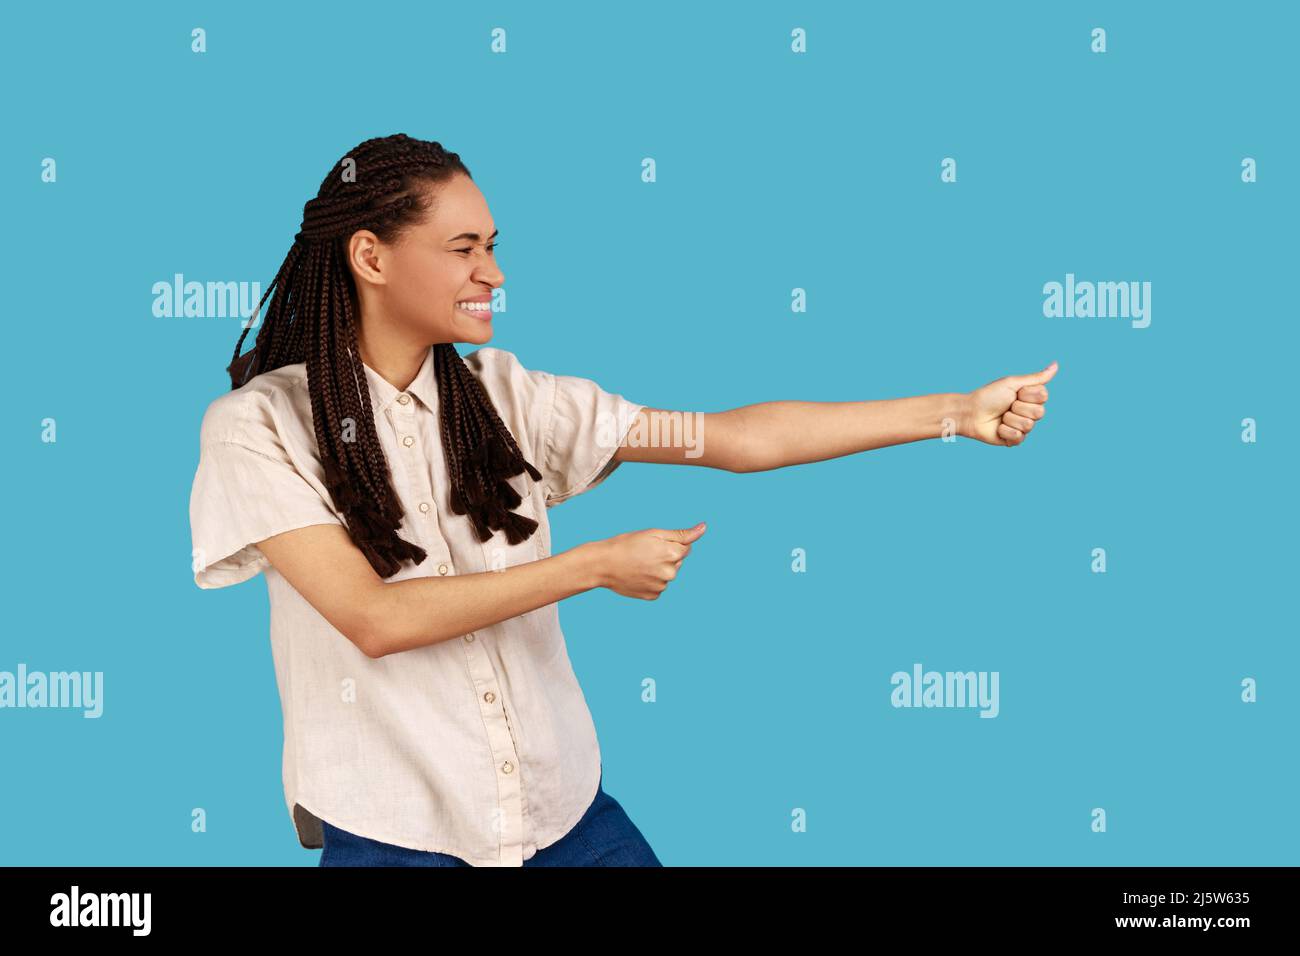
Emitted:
<point x="776" y="434"/>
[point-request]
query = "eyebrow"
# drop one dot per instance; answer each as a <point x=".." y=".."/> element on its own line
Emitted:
<point x="473" y="236"/>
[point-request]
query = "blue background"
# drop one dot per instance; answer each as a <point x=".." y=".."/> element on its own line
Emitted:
<point x="775" y="171"/>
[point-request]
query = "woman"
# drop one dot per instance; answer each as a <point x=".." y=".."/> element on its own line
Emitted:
<point x="396" y="496"/>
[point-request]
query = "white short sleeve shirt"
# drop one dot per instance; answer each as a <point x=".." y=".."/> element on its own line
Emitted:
<point x="481" y="746"/>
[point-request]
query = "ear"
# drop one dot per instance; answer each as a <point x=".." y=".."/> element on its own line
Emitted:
<point x="363" y="255"/>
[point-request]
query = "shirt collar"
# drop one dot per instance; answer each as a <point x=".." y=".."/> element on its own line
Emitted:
<point x="424" y="386"/>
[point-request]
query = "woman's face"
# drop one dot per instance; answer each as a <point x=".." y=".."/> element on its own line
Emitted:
<point x="437" y="278"/>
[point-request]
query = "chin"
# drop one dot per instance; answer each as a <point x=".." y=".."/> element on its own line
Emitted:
<point x="475" y="330"/>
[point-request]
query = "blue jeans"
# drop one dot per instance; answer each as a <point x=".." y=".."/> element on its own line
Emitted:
<point x="605" y="836"/>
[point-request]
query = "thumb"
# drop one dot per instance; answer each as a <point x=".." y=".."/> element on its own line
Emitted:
<point x="1037" y="378"/>
<point x="686" y="535"/>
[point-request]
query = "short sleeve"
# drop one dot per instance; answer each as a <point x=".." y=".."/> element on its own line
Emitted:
<point x="571" y="425"/>
<point x="585" y="427"/>
<point x="246" y="489"/>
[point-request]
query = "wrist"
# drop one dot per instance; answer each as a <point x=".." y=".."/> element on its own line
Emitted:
<point x="959" y="412"/>
<point x="590" y="567"/>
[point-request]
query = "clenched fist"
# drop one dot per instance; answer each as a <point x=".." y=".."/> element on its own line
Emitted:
<point x="639" y="564"/>
<point x="1004" y="411"/>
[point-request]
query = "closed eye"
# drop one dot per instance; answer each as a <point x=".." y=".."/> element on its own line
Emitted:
<point x="490" y="248"/>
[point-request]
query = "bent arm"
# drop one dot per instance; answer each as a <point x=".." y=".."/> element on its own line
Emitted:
<point x="776" y="434"/>
<point x="386" y="617"/>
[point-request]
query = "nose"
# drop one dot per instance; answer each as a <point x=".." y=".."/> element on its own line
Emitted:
<point x="489" y="273"/>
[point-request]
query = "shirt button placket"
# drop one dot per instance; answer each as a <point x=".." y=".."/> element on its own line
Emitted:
<point x="405" y="424"/>
<point x="500" y="739"/>
<point x="504" y="754"/>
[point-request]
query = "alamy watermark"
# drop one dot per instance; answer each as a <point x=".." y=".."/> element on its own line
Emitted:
<point x="946" y="689"/>
<point x="76" y="908"/>
<point x="181" y="299"/>
<point x="657" y="428"/>
<point x="1100" y="300"/>
<point x="75" y="689"/>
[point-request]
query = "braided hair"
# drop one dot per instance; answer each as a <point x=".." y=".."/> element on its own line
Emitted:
<point x="313" y="318"/>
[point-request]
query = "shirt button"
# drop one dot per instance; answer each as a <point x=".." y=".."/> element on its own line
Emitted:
<point x="442" y="569"/>
<point x="489" y="697"/>
<point x="507" y="767"/>
<point x="470" y="638"/>
<point x="408" y="441"/>
<point x="403" y="398"/>
<point x="424" y="506"/>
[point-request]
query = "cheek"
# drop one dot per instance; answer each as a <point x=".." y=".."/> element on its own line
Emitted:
<point x="426" y="287"/>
